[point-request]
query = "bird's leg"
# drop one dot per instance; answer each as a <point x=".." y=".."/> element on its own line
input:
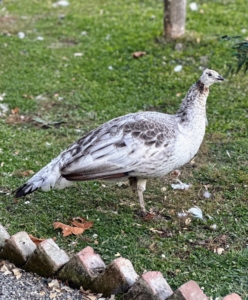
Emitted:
<point x="141" y="187"/>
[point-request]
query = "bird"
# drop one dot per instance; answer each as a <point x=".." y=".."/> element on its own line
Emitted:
<point x="133" y="147"/>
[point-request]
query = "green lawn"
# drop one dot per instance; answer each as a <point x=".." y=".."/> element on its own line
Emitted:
<point x="44" y="78"/>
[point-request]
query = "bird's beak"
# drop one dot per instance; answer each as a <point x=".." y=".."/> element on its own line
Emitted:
<point x="220" y="78"/>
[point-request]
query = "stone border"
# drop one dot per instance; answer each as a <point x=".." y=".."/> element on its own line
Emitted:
<point x="87" y="269"/>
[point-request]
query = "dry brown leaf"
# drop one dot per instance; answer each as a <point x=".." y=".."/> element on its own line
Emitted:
<point x="16" y="271"/>
<point x="85" y="224"/>
<point x="78" y="226"/>
<point x="52" y="295"/>
<point x="54" y="283"/>
<point x="4" y="268"/>
<point x="7" y="273"/>
<point x="138" y="54"/>
<point x="15" y="111"/>
<point x="149" y="216"/>
<point x="77" y="231"/>
<point x="36" y="240"/>
<point x="66" y="229"/>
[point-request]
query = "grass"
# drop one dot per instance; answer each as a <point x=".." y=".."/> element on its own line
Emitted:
<point x="105" y="82"/>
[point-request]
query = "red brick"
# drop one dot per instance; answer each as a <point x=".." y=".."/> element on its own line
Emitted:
<point x="18" y="248"/>
<point x="150" y="286"/>
<point x="82" y="269"/>
<point x="47" y="259"/>
<point x="189" y="291"/>
<point x="232" y="296"/>
<point x="118" y="277"/>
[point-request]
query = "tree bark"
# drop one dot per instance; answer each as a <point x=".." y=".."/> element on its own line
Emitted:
<point x="174" y="18"/>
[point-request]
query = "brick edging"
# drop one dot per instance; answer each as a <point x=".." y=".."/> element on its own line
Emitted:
<point x="87" y="269"/>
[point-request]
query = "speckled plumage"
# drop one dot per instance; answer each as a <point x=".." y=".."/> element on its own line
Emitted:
<point x="135" y="146"/>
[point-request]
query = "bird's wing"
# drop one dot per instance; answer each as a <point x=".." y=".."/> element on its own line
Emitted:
<point x="118" y="147"/>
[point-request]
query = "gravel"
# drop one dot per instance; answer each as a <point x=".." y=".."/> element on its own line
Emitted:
<point x="18" y="284"/>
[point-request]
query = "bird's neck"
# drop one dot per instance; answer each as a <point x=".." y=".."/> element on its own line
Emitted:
<point x="194" y="103"/>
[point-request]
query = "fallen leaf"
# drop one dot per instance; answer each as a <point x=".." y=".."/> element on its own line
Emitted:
<point x="138" y="54"/>
<point x="52" y="295"/>
<point x="66" y="229"/>
<point x="16" y="271"/>
<point x="187" y="221"/>
<point x="18" y="276"/>
<point x="4" y="268"/>
<point x="15" y="111"/>
<point x="54" y="283"/>
<point x="42" y="293"/>
<point x="66" y="288"/>
<point x="81" y="223"/>
<point x="79" y="226"/>
<point x="36" y="240"/>
<point x="7" y="273"/>
<point x="149" y="216"/>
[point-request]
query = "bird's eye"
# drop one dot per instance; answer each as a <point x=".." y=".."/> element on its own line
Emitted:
<point x="210" y="74"/>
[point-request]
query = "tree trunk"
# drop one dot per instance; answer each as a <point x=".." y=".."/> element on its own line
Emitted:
<point x="174" y="18"/>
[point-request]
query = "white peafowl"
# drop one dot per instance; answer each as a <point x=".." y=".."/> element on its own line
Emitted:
<point x="136" y="146"/>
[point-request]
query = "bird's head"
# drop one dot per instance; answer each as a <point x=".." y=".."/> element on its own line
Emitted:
<point x="210" y="76"/>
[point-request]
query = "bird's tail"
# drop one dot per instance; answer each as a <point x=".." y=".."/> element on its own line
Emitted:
<point x="47" y="178"/>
